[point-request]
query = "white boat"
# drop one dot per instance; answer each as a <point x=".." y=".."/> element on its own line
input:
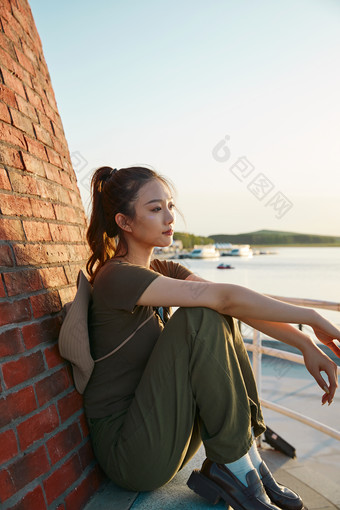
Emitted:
<point x="242" y="250"/>
<point x="204" y="252"/>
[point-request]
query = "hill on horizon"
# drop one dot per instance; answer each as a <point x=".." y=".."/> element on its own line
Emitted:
<point x="276" y="237"/>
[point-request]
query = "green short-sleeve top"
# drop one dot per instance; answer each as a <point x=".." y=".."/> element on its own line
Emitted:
<point x="114" y="318"/>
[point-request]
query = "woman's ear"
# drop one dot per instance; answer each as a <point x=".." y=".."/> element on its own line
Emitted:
<point x="122" y="222"/>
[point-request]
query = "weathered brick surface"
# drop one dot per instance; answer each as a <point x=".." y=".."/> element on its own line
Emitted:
<point x="19" y="282"/>
<point x="9" y="447"/>
<point x="46" y="460"/>
<point x="37" y="426"/>
<point x="33" y="500"/>
<point x="11" y="342"/>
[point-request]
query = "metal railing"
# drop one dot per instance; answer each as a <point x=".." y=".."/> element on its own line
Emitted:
<point x="258" y="349"/>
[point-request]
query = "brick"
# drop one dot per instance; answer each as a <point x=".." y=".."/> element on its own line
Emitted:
<point x="6" y="44"/>
<point x="7" y="96"/>
<point x="45" y="122"/>
<point x="37" y="254"/>
<point x="65" y="213"/>
<point x="39" y="332"/>
<point x="63" y="442"/>
<point x="64" y="233"/>
<point x="6" y="257"/>
<point x="10" y="157"/>
<point x="6" y="484"/>
<point x="62" y="478"/>
<point x="59" y="192"/>
<point x="12" y="82"/>
<point x="24" y="61"/>
<point x="52" y="356"/>
<point x="67" y="294"/>
<point x="36" y="148"/>
<point x="10" y="343"/>
<point x="26" y="367"/>
<point x="35" y="427"/>
<point x="33" y="164"/>
<point x="18" y="282"/>
<point x="53" y="276"/>
<point x="24" y="20"/>
<point x="76" y="199"/>
<point x="8" y="61"/>
<point x="81" y="493"/>
<point x="78" y="252"/>
<point x="45" y="304"/>
<point x="61" y="147"/>
<point x="39" y="82"/>
<point x="51" y="386"/>
<point x="29" y="467"/>
<point x="9" y="447"/>
<point x="68" y="167"/>
<point x="51" y="113"/>
<point x="69" y="405"/>
<point x="11" y="230"/>
<point x="23" y="183"/>
<point x="52" y="191"/>
<point x="72" y="271"/>
<point x="52" y="173"/>
<point x="34" y="99"/>
<point x="26" y="108"/>
<point x="43" y="135"/>
<point x="4" y="113"/>
<point x="11" y="28"/>
<point x="16" y="405"/>
<point x="42" y="209"/>
<point x="14" y="205"/>
<point x="12" y="135"/>
<point x="29" y="53"/>
<point x="22" y="122"/>
<point x="54" y="157"/>
<point x="15" y="311"/>
<point x="66" y="181"/>
<point x="2" y="289"/>
<point x="33" y="500"/>
<point x="51" y="98"/>
<point x="58" y="132"/>
<point x="4" y="181"/>
<point x="37" y="231"/>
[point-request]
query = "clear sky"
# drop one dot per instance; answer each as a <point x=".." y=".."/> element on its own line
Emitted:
<point x="163" y="82"/>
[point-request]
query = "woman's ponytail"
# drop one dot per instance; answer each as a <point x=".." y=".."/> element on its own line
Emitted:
<point x="99" y="234"/>
<point x="113" y="191"/>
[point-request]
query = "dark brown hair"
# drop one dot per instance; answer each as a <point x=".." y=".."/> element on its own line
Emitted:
<point x="113" y="191"/>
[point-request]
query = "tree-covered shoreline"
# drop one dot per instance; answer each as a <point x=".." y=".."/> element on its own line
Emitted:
<point x="260" y="238"/>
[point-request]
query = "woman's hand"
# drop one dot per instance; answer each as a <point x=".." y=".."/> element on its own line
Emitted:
<point x="316" y="362"/>
<point x="326" y="332"/>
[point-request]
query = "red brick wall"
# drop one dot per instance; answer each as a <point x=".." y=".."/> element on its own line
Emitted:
<point x="45" y="455"/>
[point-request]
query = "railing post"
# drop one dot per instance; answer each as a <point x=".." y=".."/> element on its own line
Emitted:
<point x="257" y="359"/>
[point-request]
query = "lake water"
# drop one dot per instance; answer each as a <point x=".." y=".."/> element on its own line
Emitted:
<point x="312" y="273"/>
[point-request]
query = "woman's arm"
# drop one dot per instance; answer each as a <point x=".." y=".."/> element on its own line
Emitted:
<point x="233" y="300"/>
<point x="269" y="313"/>
<point x="316" y="361"/>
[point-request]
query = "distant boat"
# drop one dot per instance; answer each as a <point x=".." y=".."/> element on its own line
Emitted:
<point x="225" y="266"/>
<point x="243" y="250"/>
<point x="204" y="252"/>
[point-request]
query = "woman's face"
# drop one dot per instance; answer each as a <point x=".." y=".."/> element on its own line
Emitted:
<point x="154" y="219"/>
